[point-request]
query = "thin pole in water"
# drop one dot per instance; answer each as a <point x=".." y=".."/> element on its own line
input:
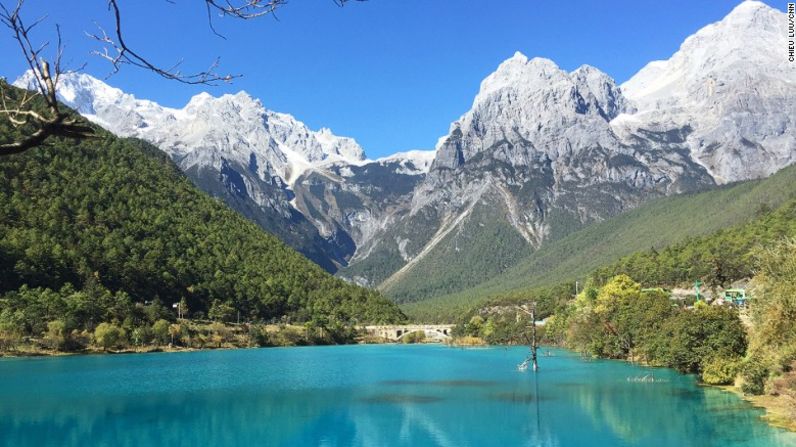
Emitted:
<point x="533" y="337"/>
<point x="532" y="313"/>
<point x="538" y="411"/>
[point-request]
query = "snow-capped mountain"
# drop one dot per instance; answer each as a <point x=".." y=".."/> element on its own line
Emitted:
<point x="231" y="127"/>
<point x="541" y="152"/>
<point x="732" y="86"/>
<point x="533" y="159"/>
<point x="252" y="157"/>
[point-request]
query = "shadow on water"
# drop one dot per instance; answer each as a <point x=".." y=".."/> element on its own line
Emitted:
<point x="442" y="383"/>
<point x="400" y="399"/>
<point x="517" y="397"/>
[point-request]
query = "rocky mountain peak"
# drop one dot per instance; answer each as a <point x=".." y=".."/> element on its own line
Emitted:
<point x="536" y="103"/>
<point x="208" y="129"/>
<point x="541" y="151"/>
<point x="746" y="43"/>
<point x="607" y="93"/>
<point x="730" y="85"/>
<point x="518" y="72"/>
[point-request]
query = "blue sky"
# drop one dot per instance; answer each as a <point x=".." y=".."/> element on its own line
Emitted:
<point x="391" y="73"/>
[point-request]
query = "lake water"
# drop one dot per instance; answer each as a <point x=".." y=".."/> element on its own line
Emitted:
<point x="363" y="396"/>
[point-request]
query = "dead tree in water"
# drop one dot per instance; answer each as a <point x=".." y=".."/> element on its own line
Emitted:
<point x="532" y="313"/>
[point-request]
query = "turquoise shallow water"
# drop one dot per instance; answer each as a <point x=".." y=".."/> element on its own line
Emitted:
<point x="363" y="396"/>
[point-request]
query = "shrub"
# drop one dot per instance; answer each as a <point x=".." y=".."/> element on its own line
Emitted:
<point x="689" y="339"/>
<point x="175" y="331"/>
<point x="55" y="337"/>
<point x="108" y="335"/>
<point x="754" y="373"/>
<point x="10" y="335"/>
<point x="258" y="336"/>
<point x="141" y="335"/>
<point x="414" y="337"/>
<point x="79" y="339"/>
<point x="160" y="331"/>
<point x="467" y="341"/>
<point x="290" y="336"/>
<point x="721" y="370"/>
<point x="219" y="334"/>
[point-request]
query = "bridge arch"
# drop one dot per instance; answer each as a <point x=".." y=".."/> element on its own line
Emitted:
<point x="437" y="332"/>
<point x="429" y="333"/>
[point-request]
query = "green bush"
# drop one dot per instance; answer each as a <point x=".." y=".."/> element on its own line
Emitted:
<point x="142" y="335"/>
<point x="754" y="373"/>
<point x="108" y="336"/>
<point x="258" y="336"/>
<point x="414" y="337"/>
<point x="721" y="371"/>
<point x="56" y="334"/>
<point x="691" y="338"/>
<point x="160" y="332"/>
<point x="290" y="336"/>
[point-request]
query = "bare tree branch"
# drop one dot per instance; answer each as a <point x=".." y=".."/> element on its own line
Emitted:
<point x="38" y="123"/>
<point x="51" y="121"/>
<point x="118" y="52"/>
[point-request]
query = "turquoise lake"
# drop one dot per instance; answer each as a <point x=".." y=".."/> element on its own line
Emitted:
<point x="377" y="395"/>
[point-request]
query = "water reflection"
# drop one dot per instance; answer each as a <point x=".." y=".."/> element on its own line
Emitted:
<point x="443" y="383"/>
<point x="400" y="399"/>
<point x="363" y="396"/>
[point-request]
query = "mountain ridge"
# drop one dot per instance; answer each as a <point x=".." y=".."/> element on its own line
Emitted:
<point x="540" y="153"/>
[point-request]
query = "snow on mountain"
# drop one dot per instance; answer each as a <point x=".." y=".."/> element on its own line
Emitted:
<point x="731" y="86"/>
<point x="413" y="162"/>
<point x="209" y="129"/>
<point x="749" y="36"/>
<point x="541" y="152"/>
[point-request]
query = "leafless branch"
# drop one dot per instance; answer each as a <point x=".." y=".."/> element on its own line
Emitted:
<point x="245" y="9"/>
<point x="117" y="51"/>
<point x="51" y="121"/>
<point x="38" y="123"/>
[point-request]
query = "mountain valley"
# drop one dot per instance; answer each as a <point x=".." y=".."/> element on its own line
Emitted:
<point x="541" y="154"/>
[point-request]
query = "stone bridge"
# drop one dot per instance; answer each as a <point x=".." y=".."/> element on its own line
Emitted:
<point x="433" y="332"/>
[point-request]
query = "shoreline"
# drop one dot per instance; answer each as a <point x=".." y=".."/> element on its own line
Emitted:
<point x="775" y="413"/>
<point x="41" y="353"/>
<point x="153" y="349"/>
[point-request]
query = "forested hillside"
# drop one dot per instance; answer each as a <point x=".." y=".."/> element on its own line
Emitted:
<point x="718" y="260"/>
<point x="662" y="223"/>
<point x="89" y="230"/>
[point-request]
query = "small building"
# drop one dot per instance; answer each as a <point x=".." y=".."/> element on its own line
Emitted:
<point x="736" y="297"/>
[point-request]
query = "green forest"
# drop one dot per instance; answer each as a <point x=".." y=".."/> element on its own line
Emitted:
<point x="108" y="230"/>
